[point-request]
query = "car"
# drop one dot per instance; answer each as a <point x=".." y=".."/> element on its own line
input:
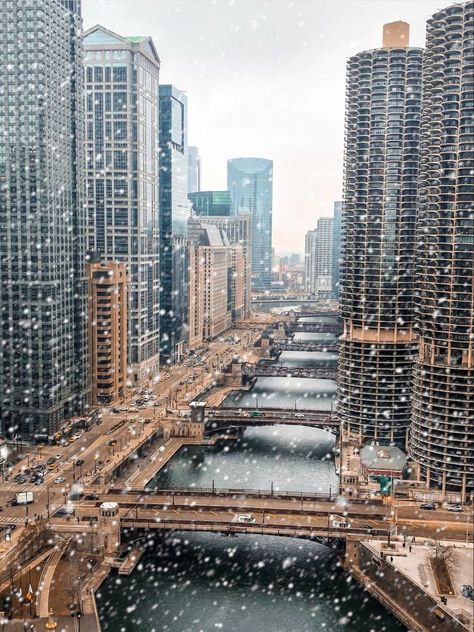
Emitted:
<point x="91" y="497"/>
<point x="115" y="411"/>
<point x="39" y="481"/>
<point x="299" y="416"/>
<point x="455" y="507"/>
<point x="133" y="410"/>
<point x="59" y="480"/>
<point x="80" y="462"/>
<point x="428" y="506"/>
<point x="51" y="460"/>
<point x="58" y="456"/>
<point x="22" y="480"/>
<point x="247" y="518"/>
<point x="341" y="524"/>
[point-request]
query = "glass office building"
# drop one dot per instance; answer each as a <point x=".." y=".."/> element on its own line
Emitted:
<point x="174" y="212"/>
<point x="377" y="348"/>
<point x="250" y="183"/>
<point x="211" y="203"/>
<point x="43" y="361"/>
<point x="121" y="103"/>
<point x="442" y="431"/>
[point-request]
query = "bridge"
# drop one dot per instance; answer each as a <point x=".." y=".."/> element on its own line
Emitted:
<point x="296" y="514"/>
<point x="250" y="371"/>
<point x="219" y="417"/>
<point x="233" y="511"/>
<point x="331" y="328"/>
<point x="286" y="345"/>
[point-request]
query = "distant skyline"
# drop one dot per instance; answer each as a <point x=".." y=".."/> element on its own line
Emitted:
<point x="266" y="79"/>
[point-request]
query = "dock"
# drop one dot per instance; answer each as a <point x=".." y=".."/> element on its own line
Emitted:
<point x="129" y="563"/>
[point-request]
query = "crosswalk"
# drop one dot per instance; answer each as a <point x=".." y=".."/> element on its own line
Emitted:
<point x="10" y="520"/>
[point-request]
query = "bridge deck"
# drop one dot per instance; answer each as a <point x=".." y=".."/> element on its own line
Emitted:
<point x="275" y="370"/>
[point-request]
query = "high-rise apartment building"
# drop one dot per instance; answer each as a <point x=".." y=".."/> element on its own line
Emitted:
<point x="43" y="360"/>
<point x="377" y="348"/>
<point x="250" y="182"/>
<point x="319" y="259"/>
<point x="336" y="248"/>
<point x="211" y="202"/>
<point x="121" y="80"/>
<point x="107" y="284"/>
<point x="174" y="213"/>
<point x="442" y="431"/>
<point x="237" y="230"/>
<point x="194" y="170"/>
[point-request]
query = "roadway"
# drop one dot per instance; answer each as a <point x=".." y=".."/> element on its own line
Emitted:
<point x="269" y="416"/>
<point x="176" y="383"/>
<point x="201" y="509"/>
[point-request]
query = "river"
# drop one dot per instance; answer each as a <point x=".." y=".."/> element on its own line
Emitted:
<point x="202" y="582"/>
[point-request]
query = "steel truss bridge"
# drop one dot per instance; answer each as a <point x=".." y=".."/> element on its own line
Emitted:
<point x="227" y="417"/>
<point x="250" y="371"/>
<point x="287" y="345"/>
<point x="331" y="328"/>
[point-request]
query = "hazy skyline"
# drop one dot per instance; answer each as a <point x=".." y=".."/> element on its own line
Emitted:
<point x="266" y="79"/>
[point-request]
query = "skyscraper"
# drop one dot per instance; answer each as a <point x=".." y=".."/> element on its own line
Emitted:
<point x="250" y="182"/>
<point x="194" y="170"/>
<point x="319" y="259"/>
<point x="442" y="431"/>
<point x="376" y="351"/>
<point x="43" y="361"/>
<point x="174" y="212"/>
<point x="210" y="202"/>
<point x="336" y="248"/>
<point x="121" y="75"/>
<point x="237" y="230"/>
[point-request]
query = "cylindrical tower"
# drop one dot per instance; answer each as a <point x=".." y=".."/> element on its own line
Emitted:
<point x="442" y="431"/>
<point x="383" y="105"/>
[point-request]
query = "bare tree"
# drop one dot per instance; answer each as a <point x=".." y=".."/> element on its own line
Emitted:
<point x="444" y="557"/>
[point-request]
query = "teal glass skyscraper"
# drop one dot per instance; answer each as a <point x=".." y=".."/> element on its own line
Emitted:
<point x="250" y="183"/>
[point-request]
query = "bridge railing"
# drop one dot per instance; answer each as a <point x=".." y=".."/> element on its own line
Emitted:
<point x="238" y="492"/>
<point x="201" y="524"/>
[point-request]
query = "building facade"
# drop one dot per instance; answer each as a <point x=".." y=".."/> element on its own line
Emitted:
<point x="107" y="285"/>
<point x="211" y="202"/>
<point x="442" y="431"/>
<point x="319" y="259"/>
<point x="336" y="249"/>
<point x="237" y="230"/>
<point x="216" y="273"/>
<point x="174" y="213"/>
<point x="377" y="348"/>
<point x="43" y="361"/>
<point x="122" y="76"/>
<point x="194" y="170"/>
<point x="250" y="183"/>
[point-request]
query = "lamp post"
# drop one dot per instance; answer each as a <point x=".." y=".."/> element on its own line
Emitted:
<point x="51" y="624"/>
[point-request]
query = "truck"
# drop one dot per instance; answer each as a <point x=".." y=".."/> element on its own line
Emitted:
<point x="24" y="498"/>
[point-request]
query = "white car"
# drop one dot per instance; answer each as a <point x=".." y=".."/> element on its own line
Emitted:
<point x="247" y="518"/>
<point x="299" y="416"/>
<point x="59" y="480"/>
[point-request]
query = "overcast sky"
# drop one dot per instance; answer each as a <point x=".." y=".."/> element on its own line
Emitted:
<point x="266" y="79"/>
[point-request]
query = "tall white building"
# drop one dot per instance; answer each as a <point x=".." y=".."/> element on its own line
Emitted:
<point x="319" y="258"/>
<point x="122" y="106"/>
